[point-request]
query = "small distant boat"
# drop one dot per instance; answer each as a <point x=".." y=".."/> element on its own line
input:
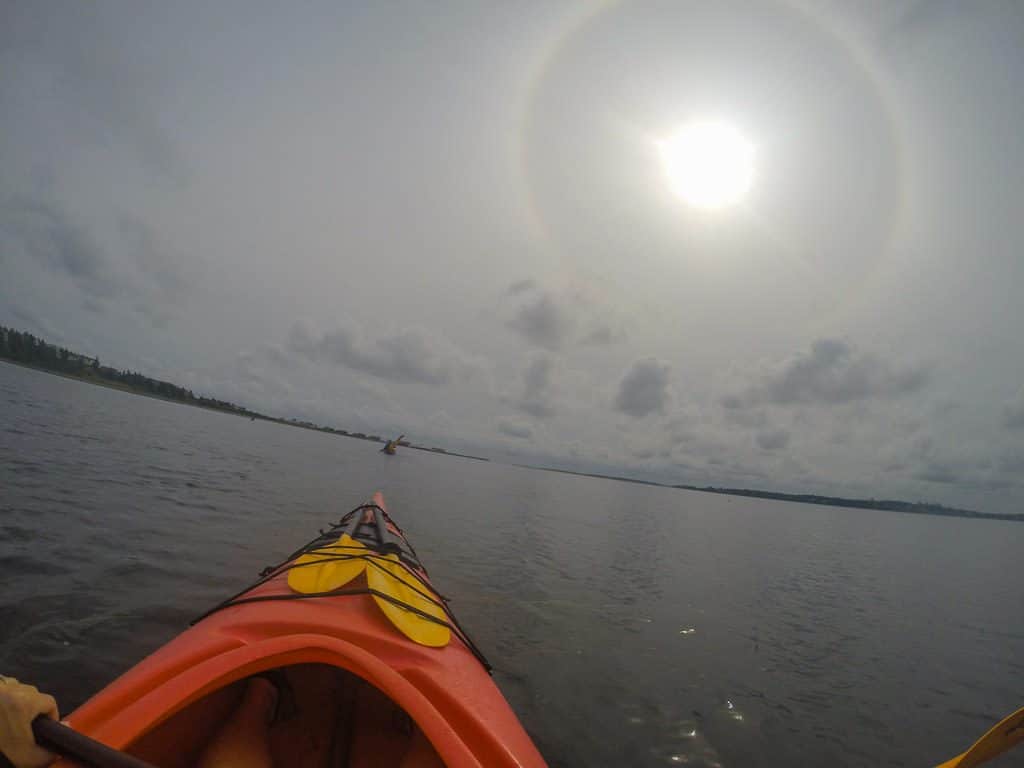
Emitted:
<point x="392" y="446"/>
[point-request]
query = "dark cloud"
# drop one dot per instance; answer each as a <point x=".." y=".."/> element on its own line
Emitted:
<point x="644" y="389"/>
<point x="734" y="471"/>
<point x="1012" y="464"/>
<point x="407" y="356"/>
<point x="134" y="271"/>
<point x="552" y="319"/>
<point x="957" y="464"/>
<point x="541" y="321"/>
<point x="909" y="426"/>
<point x="513" y="429"/>
<point x="152" y="258"/>
<point x="1013" y="412"/>
<point x="832" y="373"/>
<point x="602" y="336"/>
<point x="522" y="286"/>
<point x="938" y="472"/>
<point x="113" y="87"/>
<point x="47" y="236"/>
<point x="773" y="439"/>
<point x="751" y="418"/>
<point x="536" y="389"/>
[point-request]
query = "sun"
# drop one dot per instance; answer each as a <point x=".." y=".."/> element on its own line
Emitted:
<point x="709" y="165"/>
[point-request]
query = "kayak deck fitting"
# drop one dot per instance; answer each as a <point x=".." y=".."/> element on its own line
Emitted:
<point x="376" y="668"/>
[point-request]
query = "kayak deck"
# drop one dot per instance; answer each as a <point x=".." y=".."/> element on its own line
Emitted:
<point x="364" y="693"/>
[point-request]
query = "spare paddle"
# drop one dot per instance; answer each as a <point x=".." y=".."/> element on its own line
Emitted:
<point x="410" y="608"/>
<point x="404" y="598"/>
<point x="332" y="566"/>
<point x="328" y="567"/>
<point x="1007" y="733"/>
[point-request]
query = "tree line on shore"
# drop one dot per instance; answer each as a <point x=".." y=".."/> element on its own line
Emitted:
<point x="27" y="349"/>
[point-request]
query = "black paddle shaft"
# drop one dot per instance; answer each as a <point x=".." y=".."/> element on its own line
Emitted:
<point x="378" y="528"/>
<point x="387" y="541"/>
<point x="70" y="743"/>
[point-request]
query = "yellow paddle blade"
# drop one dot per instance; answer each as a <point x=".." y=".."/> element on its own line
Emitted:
<point x="309" y="575"/>
<point x="386" y="575"/>
<point x="1007" y="733"/>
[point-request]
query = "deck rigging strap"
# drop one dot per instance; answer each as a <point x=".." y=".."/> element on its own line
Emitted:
<point x="324" y="544"/>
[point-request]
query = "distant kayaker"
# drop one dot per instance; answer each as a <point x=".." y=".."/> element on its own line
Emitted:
<point x="242" y="742"/>
<point x="391" y="446"/>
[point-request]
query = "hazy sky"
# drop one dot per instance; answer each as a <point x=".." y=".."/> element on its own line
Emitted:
<point x="451" y="220"/>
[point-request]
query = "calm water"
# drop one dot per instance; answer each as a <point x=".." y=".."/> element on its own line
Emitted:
<point x="629" y="625"/>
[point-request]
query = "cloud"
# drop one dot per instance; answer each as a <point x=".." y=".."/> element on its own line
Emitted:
<point x="551" y="318"/>
<point x="773" y="439"/>
<point x="536" y="389"/>
<point x="541" y="321"/>
<point x="644" y="389"/>
<point x="123" y="267"/>
<point x="48" y="236"/>
<point x="153" y="258"/>
<point x="752" y="418"/>
<point x="515" y="429"/>
<point x="1012" y="464"/>
<point x="522" y="286"/>
<point x="602" y="336"/>
<point x="913" y="20"/>
<point x="1013" y="412"/>
<point x="113" y="89"/>
<point x="406" y="356"/>
<point x="832" y="373"/>
<point x="938" y="472"/>
<point x="956" y="463"/>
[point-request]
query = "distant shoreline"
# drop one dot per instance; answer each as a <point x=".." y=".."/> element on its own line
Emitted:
<point x="236" y="411"/>
<point x="886" y="505"/>
<point x="27" y="351"/>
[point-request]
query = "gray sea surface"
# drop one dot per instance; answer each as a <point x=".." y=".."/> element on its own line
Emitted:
<point x="629" y="625"/>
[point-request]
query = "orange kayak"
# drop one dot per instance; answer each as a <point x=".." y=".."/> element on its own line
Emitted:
<point x="375" y="668"/>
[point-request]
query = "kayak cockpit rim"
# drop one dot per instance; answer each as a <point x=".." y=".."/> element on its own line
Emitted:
<point x="175" y="694"/>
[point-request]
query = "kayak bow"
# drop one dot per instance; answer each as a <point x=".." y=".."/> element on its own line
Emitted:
<point x="379" y="671"/>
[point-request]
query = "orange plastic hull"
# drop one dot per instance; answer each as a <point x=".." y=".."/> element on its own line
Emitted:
<point x="445" y="691"/>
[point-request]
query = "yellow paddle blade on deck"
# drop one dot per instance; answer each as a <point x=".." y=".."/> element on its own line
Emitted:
<point x="388" y="576"/>
<point x="1006" y="733"/>
<point x="328" y="567"/>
